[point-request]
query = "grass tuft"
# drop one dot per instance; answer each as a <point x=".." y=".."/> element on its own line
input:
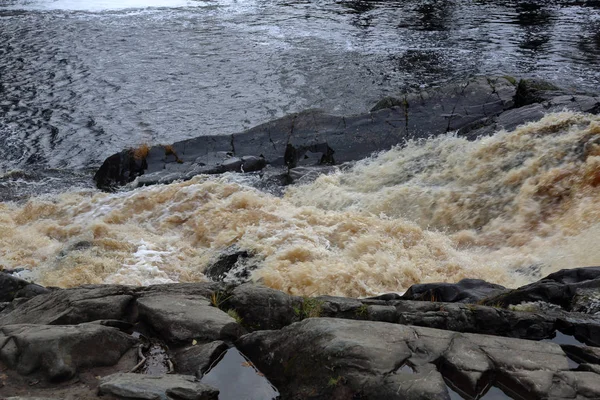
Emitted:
<point x="310" y="308"/>
<point x="218" y="298"/>
<point x="234" y="314"/>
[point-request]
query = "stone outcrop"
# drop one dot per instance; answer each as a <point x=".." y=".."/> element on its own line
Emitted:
<point x="325" y="358"/>
<point x="175" y="337"/>
<point x="310" y="142"/>
<point x="60" y="351"/>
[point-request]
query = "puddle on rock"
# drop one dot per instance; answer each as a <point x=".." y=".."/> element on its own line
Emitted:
<point x="406" y="369"/>
<point x="153" y="357"/>
<point x="493" y="393"/>
<point x="561" y="338"/>
<point x="238" y="379"/>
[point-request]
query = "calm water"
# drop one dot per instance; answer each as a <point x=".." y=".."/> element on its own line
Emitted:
<point x="80" y="80"/>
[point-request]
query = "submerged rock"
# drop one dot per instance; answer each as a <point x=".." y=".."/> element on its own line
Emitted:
<point x="233" y="266"/>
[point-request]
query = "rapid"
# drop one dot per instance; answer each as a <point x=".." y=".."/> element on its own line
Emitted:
<point x="506" y="208"/>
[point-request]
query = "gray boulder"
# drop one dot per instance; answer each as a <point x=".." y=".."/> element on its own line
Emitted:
<point x="181" y="318"/>
<point x="60" y="351"/>
<point x="197" y="359"/>
<point x="166" y="387"/>
<point x="325" y="358"/>
<point x="261" y="307"/>
<point x="12" y="287"/>
<point x="464" y="291"/>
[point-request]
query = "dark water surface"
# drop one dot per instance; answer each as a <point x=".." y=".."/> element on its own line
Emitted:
<point x="80" y="80"/>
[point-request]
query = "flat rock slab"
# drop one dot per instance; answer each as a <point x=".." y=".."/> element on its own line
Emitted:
<point x="181" y="319"/>
<point x="72" y="306"/>
<point x="146" y="387"/>
<point x="325" y="358"/>
<point x="60" y="351"/>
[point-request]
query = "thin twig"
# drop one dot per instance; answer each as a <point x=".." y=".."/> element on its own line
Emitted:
<point x="143" y="360"/>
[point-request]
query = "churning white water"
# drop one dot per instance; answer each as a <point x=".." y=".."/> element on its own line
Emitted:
<point x="505" y="208"/>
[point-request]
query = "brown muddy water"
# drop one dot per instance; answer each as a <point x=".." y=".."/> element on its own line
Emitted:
<point x="507" y="208"/>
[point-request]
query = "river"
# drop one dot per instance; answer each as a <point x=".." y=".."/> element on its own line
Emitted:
<point x="80" y="81"/>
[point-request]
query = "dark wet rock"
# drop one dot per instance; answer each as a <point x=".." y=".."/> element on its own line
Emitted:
<point x="197" y="359"/>
<point x="575" y="275"/>
<point x="60" y="351"/>
<point x="558" y="288"/>
<point x="119" y="169"/>
<point x="203" y="289"/>
<point x="166" y="387"/>
<point x="340" y="307"/>
<point x="475" y="319"/>
<point x="261" y="307"/>
<point x="12" y="287"/>
<point x="313" y="138"/>
<point x="380" y="347"/>
<point x="233" y="266"/>
<point x="72" y="306"/>
<point x="325" y="358"/>
<point x="512" y="118"/>
<point x="581" y="103"/>
<point x="586" y="301"/>
<point x="307" y="174"/>
<point x="312" y="142"/>
<point x="182" y="319"/>
<point x="530" y="91"/>
<point x="465" y="291"/>
<point x="582" y="354"/>
<point x="528" y="323"/>
<point x="584" y="328"/>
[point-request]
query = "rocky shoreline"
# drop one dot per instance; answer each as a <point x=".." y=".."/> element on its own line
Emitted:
<point x="192" y="340"/>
